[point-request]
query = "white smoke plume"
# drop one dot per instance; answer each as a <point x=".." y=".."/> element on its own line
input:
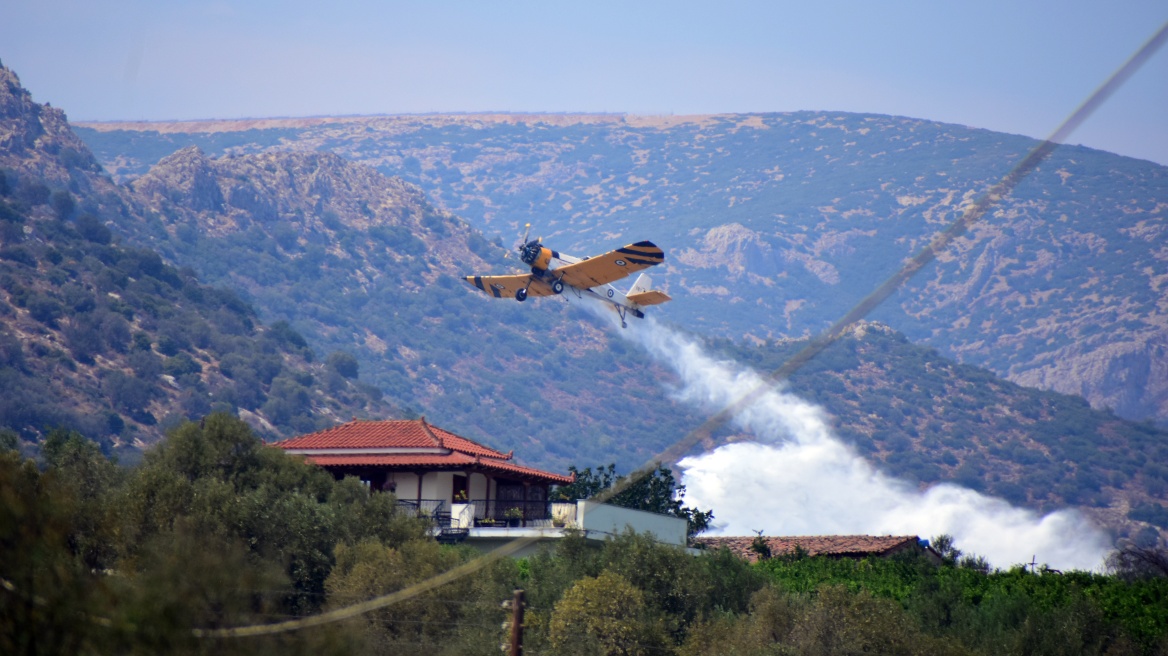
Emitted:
<point x="798" y="478"/>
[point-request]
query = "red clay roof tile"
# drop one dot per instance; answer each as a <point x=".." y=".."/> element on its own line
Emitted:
<point x="390" y="434"/>
<point x="816" y="545"/>
<point x="408" y="434"/>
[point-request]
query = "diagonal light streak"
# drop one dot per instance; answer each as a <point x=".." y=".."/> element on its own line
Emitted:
<point x="974" y="213"/>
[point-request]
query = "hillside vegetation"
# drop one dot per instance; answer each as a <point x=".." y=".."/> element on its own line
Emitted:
<point x="778" y="223"/>
<point x="361" y="263"/>
<point x="109" y="339"/>
<point x="357" y="271"/>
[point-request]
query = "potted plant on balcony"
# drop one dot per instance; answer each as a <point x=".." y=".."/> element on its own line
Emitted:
<point x="513" y="516"/>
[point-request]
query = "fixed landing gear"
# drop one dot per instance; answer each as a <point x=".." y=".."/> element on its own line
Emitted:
<point x="622" y="312"/>
<point x="521" y="295"/>
<point x="558" y="287"/>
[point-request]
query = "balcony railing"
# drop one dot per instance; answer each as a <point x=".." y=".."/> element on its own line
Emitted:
<point x="497" y="512"/>
<point x="430" y="508"/>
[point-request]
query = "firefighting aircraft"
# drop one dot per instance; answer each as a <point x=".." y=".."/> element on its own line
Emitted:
<point x="553" y="272"/>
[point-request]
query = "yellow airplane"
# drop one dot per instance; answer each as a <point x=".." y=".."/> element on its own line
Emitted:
<point x="553" y="272"/>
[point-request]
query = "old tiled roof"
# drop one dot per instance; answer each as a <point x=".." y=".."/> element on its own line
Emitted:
<point x="390" y="434"/>
<point x="852" y="546"/>
<point x="434" y="448"/>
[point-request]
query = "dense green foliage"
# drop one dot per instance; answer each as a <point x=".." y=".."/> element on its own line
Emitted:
<point x="213" y="529"/>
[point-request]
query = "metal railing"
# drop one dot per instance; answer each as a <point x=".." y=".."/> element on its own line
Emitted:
<point x="498" y="512"/>
<point x="423" y="508"/>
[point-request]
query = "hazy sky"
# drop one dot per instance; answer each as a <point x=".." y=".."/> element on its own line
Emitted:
<point x="1012" y="66"/>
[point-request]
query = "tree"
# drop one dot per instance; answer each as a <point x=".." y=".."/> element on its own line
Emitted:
<point x="605" y="615"/>
<point x="760" y="546"/>
<point x="63" y="204"/>
<point x="1132" y="562"/>
<point x="92" y="229"/>
<point x="9" y="440"/>
<point x="344" y="364"/>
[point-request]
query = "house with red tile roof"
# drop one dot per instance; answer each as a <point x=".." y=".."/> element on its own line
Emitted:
<point x="473" y="491"/>
<point x="834" y="546"/>
<point x="429" y="466"/>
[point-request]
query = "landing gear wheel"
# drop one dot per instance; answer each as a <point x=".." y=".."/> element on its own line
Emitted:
<point x="557" y="287"/>
<point x="521" y="295"/>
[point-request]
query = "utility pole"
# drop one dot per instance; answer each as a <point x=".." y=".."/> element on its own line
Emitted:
<point x="517" y="623"/>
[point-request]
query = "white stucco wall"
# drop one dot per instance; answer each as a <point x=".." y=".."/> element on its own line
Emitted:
<point x="438" y="485"/>
<point x="478" y="486"/>
<point x="406" y="485"/>
<point x="613" y="520"/>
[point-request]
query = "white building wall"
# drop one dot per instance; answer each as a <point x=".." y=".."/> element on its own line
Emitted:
<point x="438" y="485"/>
<point x="406" y="485"/>
<point x="613" y="520"/>
<point x="477" y="485"/>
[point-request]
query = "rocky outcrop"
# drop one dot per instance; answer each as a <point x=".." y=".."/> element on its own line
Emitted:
<point x="299" y="198"/>
<point x="40" y="154"/>
<point x="1130" y="377"/>
<point x="36" y="139"/>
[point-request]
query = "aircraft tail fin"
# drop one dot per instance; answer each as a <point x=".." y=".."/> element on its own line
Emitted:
<point x="641" y="292"/>
<point x="643" y="284"/>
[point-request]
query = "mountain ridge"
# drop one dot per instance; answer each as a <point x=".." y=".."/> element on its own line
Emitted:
<point x="785" y="219"/>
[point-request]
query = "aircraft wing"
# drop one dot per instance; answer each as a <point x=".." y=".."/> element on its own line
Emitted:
<point x="613" y="265"/>
<point x="506" y="286"/>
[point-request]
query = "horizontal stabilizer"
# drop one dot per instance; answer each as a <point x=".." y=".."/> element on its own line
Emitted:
<point x="651" y="297"/>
